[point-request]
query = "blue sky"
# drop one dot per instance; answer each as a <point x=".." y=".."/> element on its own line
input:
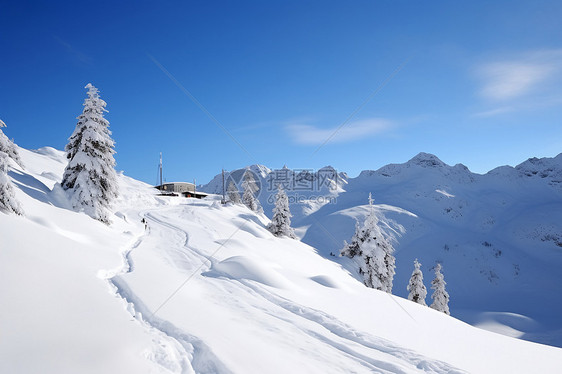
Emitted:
<point x="226" y="84"/>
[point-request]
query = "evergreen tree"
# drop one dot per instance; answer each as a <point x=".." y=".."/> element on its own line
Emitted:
<point x="250" y="188"/>
<point x="89" y="178"/>
<point x="8" y="147"/>
<point x="373" y="253"/>
<point x="352" y="249"/>
<point x="232" y="192"/>
<point x="440" y="297"/>
<point x="8" y="201"/>
<point x="281" y="221"/>
<point x="418" y="292"/>
<point x="390" y="264"/>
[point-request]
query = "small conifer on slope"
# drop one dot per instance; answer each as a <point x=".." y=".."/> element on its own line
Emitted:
<point x="281" y="221"/>
<point x="372" y="252"/>
<point x="250" y="188"/>
<point x="8" y="201"/>
<point x="440" y="296"/>
<point x="232" y="192"/>
<point x="89" y="178"/>
<point x="418" y="292"/>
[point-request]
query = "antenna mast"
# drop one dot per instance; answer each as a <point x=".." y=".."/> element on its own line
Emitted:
<point x="160" y="170"/>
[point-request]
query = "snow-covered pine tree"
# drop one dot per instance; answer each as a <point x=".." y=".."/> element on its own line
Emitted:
<point x="8" y="201"/>
<point x="8" y="147"/>
<point x="390" y="264"/>
<point x="352" y="249"/>
<point x="373" y="253"/>
<point x="250" y="188"/>
<point x="89" y="178"/>
<point x="232" y="192"/>
<point x="418" y="292"/>
<point x="440" y="296"/>
<point x="372" y="265"/>
<point x="281" y="221"/>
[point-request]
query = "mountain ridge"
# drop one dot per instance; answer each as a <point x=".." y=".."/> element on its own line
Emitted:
<point x="545" y="167"/>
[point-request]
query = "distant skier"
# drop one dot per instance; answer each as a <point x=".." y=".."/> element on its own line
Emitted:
<point x="145" y="223"/>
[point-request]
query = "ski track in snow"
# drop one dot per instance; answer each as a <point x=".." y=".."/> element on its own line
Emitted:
<point x="178" y="351"/>
<point x="349" y="335"/>
<point x="202" y="256"/>
<point x="193" y="355"/>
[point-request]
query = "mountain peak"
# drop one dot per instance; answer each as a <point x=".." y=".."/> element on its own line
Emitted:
<point x="545" y="167"/>
<point x="426" y="160"/>
<point x="259" y="169"/>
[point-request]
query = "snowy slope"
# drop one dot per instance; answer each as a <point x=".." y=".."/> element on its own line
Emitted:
<point x="206" y="289"/>
<point x="497" y="235"/>
<point x="59" y="314"/>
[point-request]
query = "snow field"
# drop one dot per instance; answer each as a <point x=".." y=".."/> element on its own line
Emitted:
<point x="207" y="289"/>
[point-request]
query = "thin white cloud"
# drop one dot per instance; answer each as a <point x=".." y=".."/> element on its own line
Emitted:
<point x="517" y="82"/>
<point x="508" y="80"/>
<point x="494" y="112"/>
<point x="307" y="134"/>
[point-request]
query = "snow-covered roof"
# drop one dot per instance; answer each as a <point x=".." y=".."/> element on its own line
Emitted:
<point x="166" y="183"/>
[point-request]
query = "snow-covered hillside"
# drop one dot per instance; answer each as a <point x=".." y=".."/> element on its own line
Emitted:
<point x="498" y="235"/>
<point x="206" y="288"/>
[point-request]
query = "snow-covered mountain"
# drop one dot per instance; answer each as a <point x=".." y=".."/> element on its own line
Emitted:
<point x="498" y="235"/>
<point x="205" y="288"/>
<point x="308" y="190"/>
